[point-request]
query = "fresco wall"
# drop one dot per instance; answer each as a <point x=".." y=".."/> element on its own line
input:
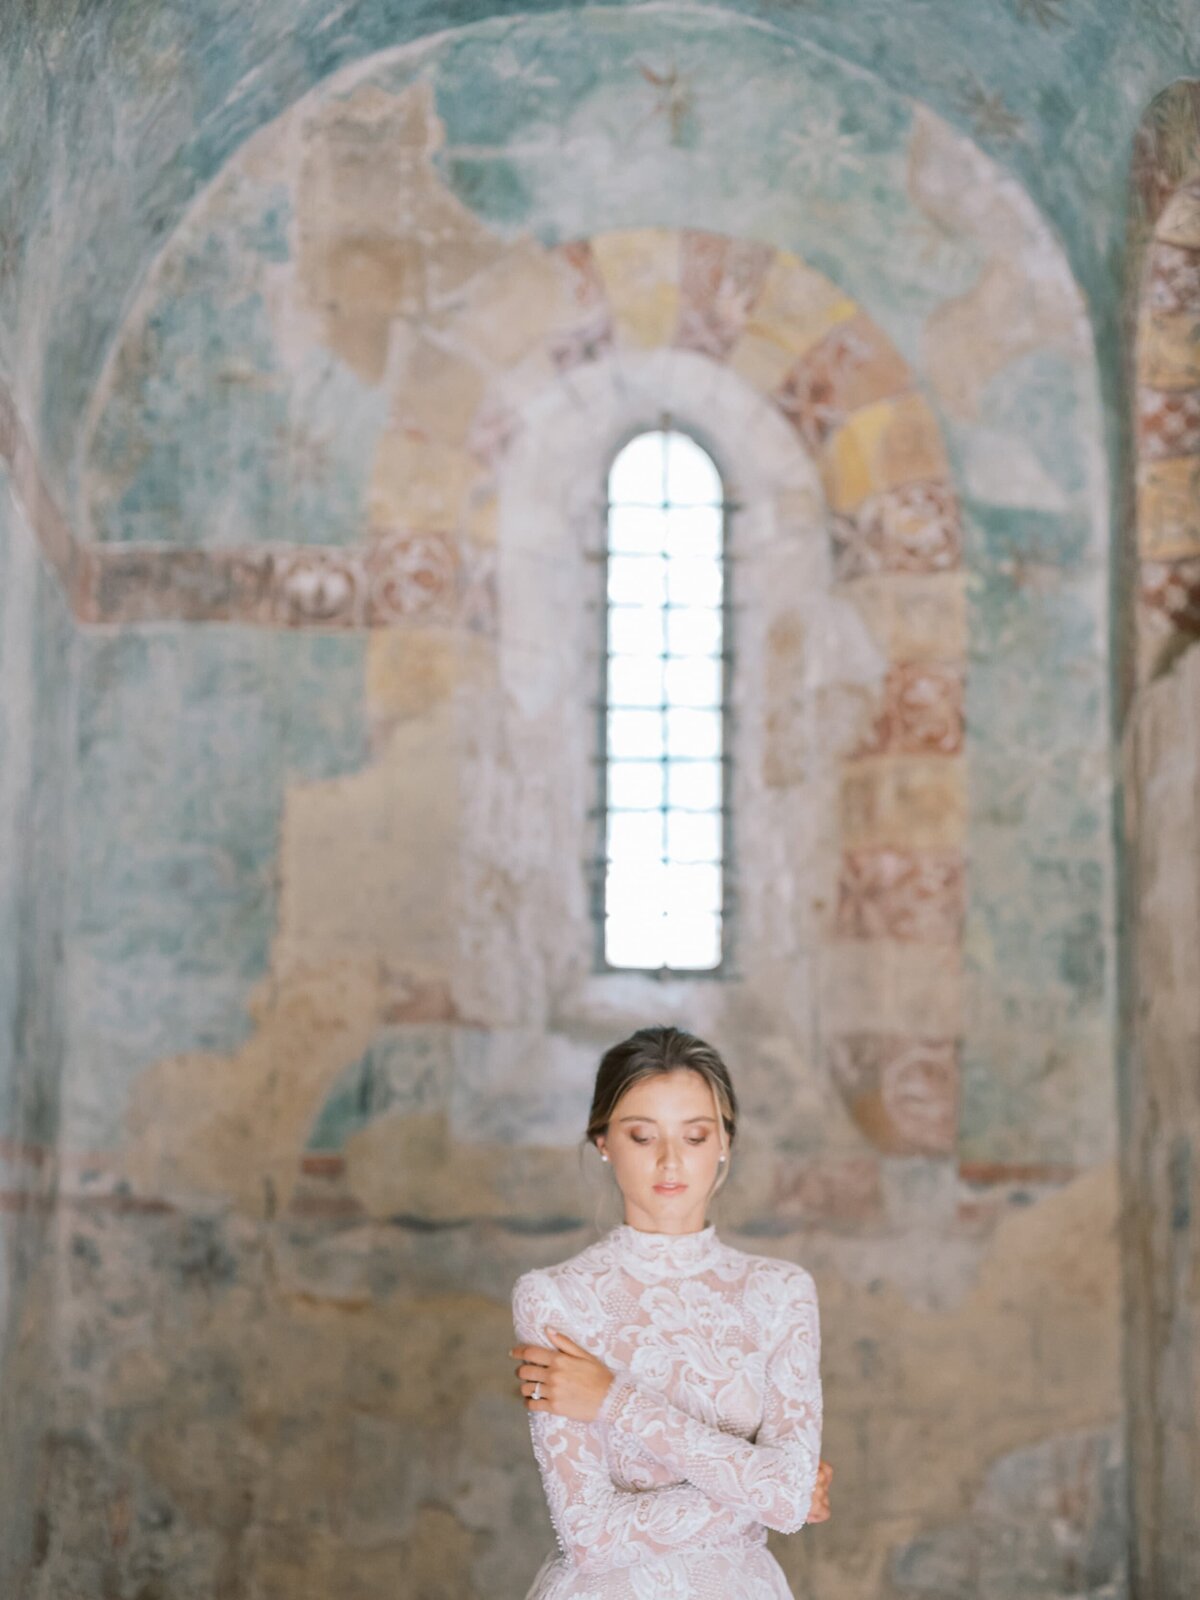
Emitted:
<point x="1053" y="89"/>
<point x="330" y="1019"/>
<point x="1162" y="1022"/>
<point x="36" y="643"/>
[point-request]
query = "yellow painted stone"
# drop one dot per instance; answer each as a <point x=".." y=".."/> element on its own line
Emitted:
<point x="1180" y="221"/>
<point x="360" y="337"/>
<point x="231" y="1125"/>
<point x="456" y="245"/>
<point x="914" y="616"/>
<point x="908" y="802"/>
<point x="640" y="271"/>
<point x="509" y="309"/>
<point x="1168" y="351"/>
<point x="762" y="361"/>
<point x="410" y="670"/>
<point x="357" y="265"/>
<point x="399" y="1161"/>
<point x="412" y="1162"/>
<point x="357" y="151"/>
<point x="795" y="308"/>
<point x="1168" y="508"/>
<point x="882" y="446"/>
<point x="912" y="447"/>
<point x="351" y="885"/>
<point x="356" y="901"/>
<point x="419" y="483"/>
<point x="379" y="235"/>
<point x="848" y="464"/>
<point x="372" y="272"/>
<point x="437" y="390"/>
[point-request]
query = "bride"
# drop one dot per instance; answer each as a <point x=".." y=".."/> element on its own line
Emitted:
<point x="672" y="1382"/>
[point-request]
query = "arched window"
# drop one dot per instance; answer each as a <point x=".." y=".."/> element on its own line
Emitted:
<point x="663" y="737"/>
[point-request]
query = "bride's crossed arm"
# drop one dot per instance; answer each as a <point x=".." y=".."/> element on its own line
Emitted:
<point x="718" y="1483"/>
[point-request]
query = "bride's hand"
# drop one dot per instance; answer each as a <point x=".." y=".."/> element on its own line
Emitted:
<point x="819" y="1510"/>
<point x="573" y="1383"/>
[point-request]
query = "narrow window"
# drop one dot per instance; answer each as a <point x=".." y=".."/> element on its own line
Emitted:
<point x="663" y="791"/>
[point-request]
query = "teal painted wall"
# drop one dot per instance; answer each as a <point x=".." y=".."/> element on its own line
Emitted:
<point x="1053" y="88"/>
<point x="185" y="742"/>
<point x="143" y="772"/>
<point x="37" y="639"/>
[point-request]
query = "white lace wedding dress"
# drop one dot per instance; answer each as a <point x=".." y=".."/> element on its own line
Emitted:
<point x="710" y="1433"/>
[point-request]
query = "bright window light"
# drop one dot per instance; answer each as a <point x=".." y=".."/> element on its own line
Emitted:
<point x="664" y="725"/>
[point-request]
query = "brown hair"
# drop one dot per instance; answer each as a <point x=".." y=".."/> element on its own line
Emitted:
<point x="649" y="1052"/>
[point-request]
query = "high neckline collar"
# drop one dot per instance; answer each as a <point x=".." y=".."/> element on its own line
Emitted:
<point x="678" y="1252"/>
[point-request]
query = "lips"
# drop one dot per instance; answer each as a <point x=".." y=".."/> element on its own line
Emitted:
<point x="669" y="1188"/>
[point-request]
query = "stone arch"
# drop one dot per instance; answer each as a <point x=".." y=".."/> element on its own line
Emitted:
<point x="892" y="949"/>
<point x="854" y="404"/>
<point x="521" y="317"/>
<point x="518" y="316"/>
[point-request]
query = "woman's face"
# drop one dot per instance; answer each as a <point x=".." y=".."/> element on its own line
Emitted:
<point x="664" y="1145"/>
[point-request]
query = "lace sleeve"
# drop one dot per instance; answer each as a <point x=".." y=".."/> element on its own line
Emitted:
<point x="772" y="1478"/>
<point x="597" y="1523"/>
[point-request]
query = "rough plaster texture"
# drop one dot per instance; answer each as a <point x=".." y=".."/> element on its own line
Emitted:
<point x="1163" y="1185"/>
<point x="1157" y="691"/>
<point x="325" y="383"/>
<point x="36" y="647"/>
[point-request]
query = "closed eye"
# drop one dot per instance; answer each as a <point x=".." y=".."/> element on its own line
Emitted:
<point x="703" y="1139"/>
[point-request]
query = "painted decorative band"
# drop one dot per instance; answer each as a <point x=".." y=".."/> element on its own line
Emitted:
<point x="914" y="896"/>
<point x="404" y="577"/>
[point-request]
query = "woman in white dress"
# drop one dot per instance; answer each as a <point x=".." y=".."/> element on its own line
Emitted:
<point x="672" y="1382"/>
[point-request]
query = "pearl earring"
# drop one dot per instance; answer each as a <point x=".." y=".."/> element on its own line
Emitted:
<point x="603" y="1157"/>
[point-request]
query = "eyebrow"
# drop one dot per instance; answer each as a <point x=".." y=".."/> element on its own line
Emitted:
<point x="655" y="1119"/>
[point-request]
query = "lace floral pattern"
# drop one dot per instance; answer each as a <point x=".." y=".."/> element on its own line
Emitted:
<point x="710" y="1433"/>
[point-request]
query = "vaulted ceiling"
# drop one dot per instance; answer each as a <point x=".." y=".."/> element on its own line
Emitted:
<point x="115" y="117"/>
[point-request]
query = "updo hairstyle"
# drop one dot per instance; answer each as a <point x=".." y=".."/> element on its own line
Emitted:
<point x="649" y="1052"/>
